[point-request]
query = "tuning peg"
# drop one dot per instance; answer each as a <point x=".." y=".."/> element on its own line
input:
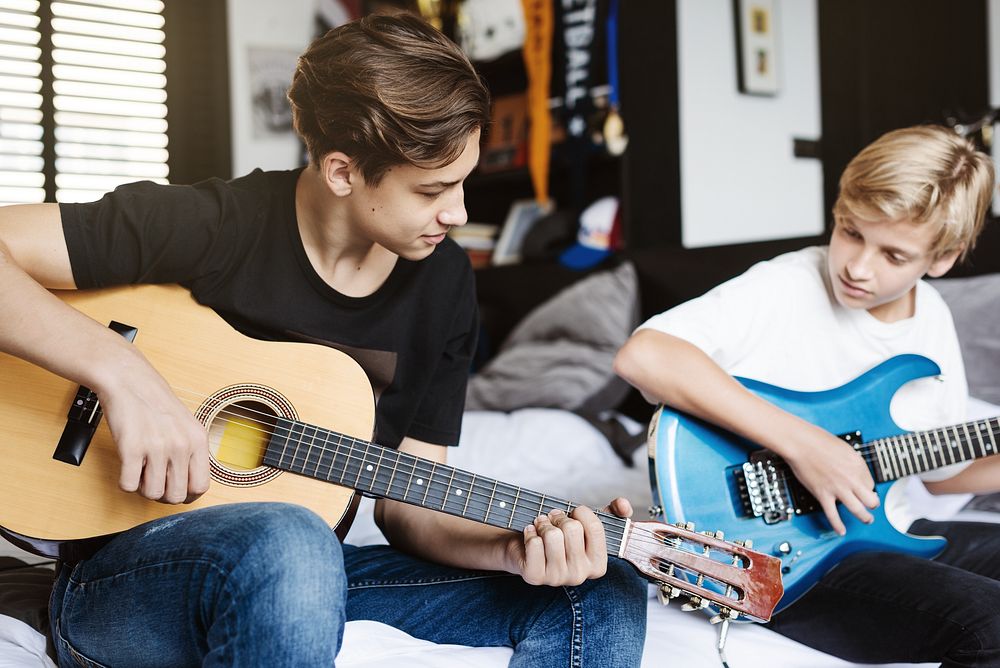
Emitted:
<point x="725" y="614"/>
<point x="714" y="534"/>
<point x="748" y="544"/>
<point x="694" y="603"/>
<point x="667" y="592"/>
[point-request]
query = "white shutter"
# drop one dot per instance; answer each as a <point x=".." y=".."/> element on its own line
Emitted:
<point x="109" y="95"/>
<point x="21" y="175"/>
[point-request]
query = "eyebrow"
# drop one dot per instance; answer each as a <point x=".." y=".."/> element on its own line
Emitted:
<point x="439" y="184"/>
<point x="448" y="184"/>
<point x="893" y="250"/>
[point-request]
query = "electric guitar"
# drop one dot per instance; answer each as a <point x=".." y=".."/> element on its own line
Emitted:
<point x="285" y="420"/>
<point x="736" y="486"/>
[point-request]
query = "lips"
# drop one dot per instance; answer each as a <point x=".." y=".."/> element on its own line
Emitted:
<point x="435" y="238"/>
<point x="851" y="289"/>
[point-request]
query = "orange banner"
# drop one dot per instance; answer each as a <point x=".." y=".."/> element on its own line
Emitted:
<point x="539" y="19"/>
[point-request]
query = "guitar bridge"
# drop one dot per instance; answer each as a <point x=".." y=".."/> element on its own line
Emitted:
<point x="763" y="488"/>
<point x="85" y="415"/>
<point x="769" y="490"/>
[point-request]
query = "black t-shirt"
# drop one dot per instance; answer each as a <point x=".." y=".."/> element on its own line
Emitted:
<point x="236" y="246"/>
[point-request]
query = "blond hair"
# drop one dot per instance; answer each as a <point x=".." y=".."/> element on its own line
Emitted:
<point x="387" y="90"/>
<point x="925" y="175"/>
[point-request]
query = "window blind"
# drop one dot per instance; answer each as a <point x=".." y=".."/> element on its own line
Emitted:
<point x="108" y="98"/>
<point x="21" y="177"/>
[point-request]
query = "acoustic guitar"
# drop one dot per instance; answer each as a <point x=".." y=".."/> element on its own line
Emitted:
<point x="288" y="422"/>
<point x="701" y="470"/>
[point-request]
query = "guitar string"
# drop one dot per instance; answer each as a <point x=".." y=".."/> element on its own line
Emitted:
<point x="867" y="450"/>
<point x="418" y="467"/>
<point x="618" y="533"/>
<point x="901" y="454"/>
<point x="642" y="534"/>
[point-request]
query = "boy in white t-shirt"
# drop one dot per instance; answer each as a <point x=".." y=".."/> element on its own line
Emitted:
<point x="911" y="204"/>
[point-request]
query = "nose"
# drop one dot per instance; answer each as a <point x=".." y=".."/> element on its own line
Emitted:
<point x="454" y="214"/>
<point x="859" y="267"/>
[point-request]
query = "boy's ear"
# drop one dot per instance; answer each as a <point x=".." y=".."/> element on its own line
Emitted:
<point x="337" y="174"/>
<point x="943" y="264"/>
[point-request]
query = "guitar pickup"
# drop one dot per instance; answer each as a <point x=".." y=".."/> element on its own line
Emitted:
<point x="85" y="414"/>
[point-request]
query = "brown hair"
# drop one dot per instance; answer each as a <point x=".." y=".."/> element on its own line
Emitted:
<point x="387" y="90"/>
<point x="926" y="174"/>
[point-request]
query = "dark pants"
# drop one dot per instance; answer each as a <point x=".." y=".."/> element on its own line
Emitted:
<point x="883" y="607"/>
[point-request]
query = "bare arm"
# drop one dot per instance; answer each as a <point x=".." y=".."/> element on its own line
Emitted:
<point x="980" y="477"/>
<point x="670" y="370"/>
<point x="557" y="549"/>
<point x="163" y="449"/>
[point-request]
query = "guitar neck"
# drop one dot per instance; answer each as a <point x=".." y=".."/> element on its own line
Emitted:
<point x="386" y="473"/>
<point x="917" y="452"/>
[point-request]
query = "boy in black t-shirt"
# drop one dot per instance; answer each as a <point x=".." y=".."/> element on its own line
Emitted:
<point x="350" y="251"/>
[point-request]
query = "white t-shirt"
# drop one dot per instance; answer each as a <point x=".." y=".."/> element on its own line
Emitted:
<point x="780" y="323"/>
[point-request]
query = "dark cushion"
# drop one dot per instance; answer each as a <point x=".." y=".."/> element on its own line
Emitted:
<point x="24" y="592"/>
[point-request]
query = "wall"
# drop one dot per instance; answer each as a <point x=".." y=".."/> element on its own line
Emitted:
<point x="739" y="178"/>
<point x="285" y="26"/>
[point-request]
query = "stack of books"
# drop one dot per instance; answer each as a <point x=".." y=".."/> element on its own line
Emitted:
<point x="478" y="240"/>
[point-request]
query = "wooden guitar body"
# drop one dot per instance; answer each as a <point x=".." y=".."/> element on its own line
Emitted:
<point x="51" y="501"/>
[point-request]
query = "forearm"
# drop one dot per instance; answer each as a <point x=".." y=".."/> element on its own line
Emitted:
<point x="672" y="371"/>
<point x="980" y="477"/>
<point x="40" y="328"/>
<point x="443" y="538"/>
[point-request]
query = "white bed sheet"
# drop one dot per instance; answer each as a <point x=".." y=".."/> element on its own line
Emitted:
<point x="557" y="453"/>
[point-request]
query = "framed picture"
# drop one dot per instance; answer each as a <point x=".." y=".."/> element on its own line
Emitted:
<point x="756" y="46"/>
<point x="522" y="215"/>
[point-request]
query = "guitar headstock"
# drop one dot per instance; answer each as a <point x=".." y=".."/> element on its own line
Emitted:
<point x="710" y="571"/>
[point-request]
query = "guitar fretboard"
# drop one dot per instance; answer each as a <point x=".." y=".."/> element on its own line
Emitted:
<point x="917" y="452"/>
<point x="387" y="473"/>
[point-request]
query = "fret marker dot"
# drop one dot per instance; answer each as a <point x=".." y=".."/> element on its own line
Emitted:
<point x="458" y="492"/>
<point x="369" y="467"/>
<point x="420" y="481"/>
<point x="503" y="504"/>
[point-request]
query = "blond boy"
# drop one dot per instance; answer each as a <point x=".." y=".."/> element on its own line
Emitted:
<point x="910" y="205"/>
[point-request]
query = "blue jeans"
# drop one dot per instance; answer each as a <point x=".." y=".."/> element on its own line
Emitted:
<point x="264" y="585"/>
<point x="241" y="585"/>
<point x="601" y="623"/>
<point x="881" y="607"/>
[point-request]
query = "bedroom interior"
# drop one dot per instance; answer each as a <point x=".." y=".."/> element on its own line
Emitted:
<point x="716" y="176"/>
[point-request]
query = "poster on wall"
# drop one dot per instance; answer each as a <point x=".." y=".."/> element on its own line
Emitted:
<point x="756" y="46"/>
<point x="270" y="75"/>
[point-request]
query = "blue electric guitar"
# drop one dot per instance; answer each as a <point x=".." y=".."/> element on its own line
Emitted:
<point x="701" y="471"/>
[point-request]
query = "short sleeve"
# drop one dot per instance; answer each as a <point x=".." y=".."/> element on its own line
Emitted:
<point x="150" y="233"/>
<point x="726" y="321"/>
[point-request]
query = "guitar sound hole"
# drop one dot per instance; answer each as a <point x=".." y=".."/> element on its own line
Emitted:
<point x="239" y="433"/>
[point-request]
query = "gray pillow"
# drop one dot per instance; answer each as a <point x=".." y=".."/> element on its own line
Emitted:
<point x="975" y="306"/>
<point x="560" y="355"/>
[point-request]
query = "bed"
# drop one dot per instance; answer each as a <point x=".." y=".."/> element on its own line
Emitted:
<point x="576" y="463"/>
<point x="576" y="443"/>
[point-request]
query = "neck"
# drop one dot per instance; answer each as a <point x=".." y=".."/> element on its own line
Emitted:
<point x="346" y="260"/>
<point x="899" y="309"/>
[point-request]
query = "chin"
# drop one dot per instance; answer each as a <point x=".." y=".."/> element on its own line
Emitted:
<point x="415" y="255"/>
